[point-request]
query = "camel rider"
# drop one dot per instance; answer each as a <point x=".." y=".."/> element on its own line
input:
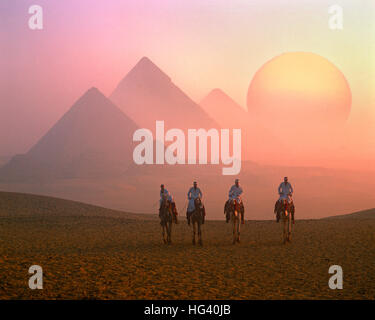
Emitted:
<point x="194" y="193"/>
<point x="164" y="193"/>
<point x="285" y="191"/>
<point x="234" y="194"/>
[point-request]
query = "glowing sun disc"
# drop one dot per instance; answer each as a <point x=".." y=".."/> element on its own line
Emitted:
<point x="300" y="84"/>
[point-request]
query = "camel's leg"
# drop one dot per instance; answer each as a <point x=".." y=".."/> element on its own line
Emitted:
<point x="193" y="222"/>
<point x="238" y="229"/>
<point x="289" y="228"/>
<point x="164" y="234"/>
<point x="170" y="232"/>
<point x="234" y="228"/>
<point x="167" y="230"/>
<point x="284" y="229"/>
<point x="167" y="227"/>
<point x="200" y="234"/>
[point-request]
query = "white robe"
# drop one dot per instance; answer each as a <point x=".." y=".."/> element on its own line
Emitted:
<point x="284" y="190"/>
<point x="192" y="195"/>
<point x="235" y="192"/>
<point x="168" y="195"/>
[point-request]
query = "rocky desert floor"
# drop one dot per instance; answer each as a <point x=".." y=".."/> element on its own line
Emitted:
<point x="88" y="252"/>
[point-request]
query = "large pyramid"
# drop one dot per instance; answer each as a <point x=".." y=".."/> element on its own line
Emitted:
<point x="92" y="139"/>
<point x="147" y="94"/>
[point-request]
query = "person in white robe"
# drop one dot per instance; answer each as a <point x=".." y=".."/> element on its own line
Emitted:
<point x="235" y="193"/>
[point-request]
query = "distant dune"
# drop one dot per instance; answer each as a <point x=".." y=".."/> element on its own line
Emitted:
<point x="24" y="204"/>
<point x="364" y="214"/>
<point x="20" y="204"/>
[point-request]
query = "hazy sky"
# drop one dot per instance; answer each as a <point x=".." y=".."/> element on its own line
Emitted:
<point x="200" y="44"/>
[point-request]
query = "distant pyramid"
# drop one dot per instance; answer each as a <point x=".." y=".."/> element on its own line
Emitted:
<point x="147" y="94"/>
<point x="224" y="109"/>
<point x="92" y="139"/>
<point x="258" y="144"/>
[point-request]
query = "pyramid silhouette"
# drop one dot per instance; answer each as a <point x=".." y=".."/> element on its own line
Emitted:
<point x="147" y="94"/>
<point x="94" y="138"/>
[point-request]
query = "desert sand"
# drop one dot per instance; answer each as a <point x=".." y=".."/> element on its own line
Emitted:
<point x="89" y="252"/>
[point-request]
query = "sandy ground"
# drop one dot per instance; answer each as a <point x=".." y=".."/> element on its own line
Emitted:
<point x="93" y="257"/>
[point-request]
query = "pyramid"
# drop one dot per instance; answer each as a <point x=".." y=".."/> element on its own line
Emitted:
<point x="92" y="139"/>
<point x="147" y="94"/>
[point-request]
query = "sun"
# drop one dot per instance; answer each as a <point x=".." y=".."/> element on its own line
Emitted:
<point x="300" y="85"/>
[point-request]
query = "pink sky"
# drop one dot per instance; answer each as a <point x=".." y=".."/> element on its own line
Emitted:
<point x="201" y="45"/>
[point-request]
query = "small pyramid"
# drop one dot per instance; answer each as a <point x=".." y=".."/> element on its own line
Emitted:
<point x="224" y="109"/>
